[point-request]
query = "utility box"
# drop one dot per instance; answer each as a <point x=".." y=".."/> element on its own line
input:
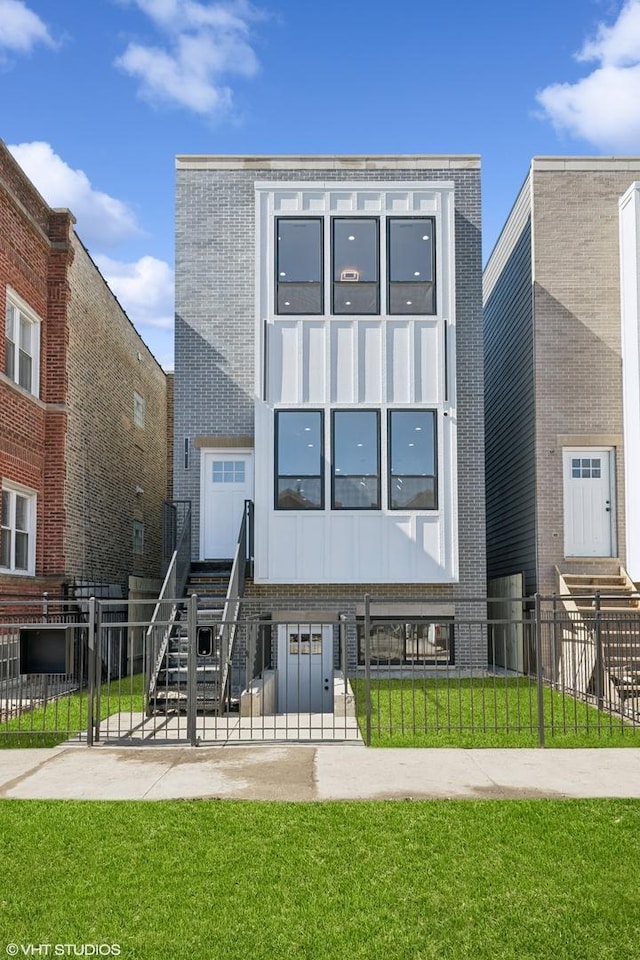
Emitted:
<point x="46" y="648"/>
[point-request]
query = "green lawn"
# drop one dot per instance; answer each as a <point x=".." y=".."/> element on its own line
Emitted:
<point x="481" y="880"/>
<point x="488" y="712"/>
<point x="65" y="717"/>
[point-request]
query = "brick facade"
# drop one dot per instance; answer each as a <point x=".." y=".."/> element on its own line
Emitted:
<point x="568" y="273"/>
<point x="215" y="337"/>
<point x="75" y="445"/>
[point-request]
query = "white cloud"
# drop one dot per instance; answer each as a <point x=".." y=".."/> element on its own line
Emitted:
<point x="101" y="219"/>
<point x="205" y="43"/>
<point x="604" y="107"/>
<point x="144" y="289"/>
<point x="20" y="28"/>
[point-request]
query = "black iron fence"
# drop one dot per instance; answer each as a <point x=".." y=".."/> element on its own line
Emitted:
<point x="434" y="675"/>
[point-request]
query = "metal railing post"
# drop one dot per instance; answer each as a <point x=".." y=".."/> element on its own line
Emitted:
<point x="599" y="659"/>
<point x="192" y="669"/>
<point x="91" y="667"/>
<point x="540" y="689"/>
<point x="367" y="667"/>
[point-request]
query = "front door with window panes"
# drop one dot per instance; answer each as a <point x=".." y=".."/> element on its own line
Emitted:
<point x="305" y="668"/>
<point x="227" y="481"/>
<point x="588" y="503"/>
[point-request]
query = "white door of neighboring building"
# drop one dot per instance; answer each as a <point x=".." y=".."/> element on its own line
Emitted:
<point x="226" y="481"/>
<point x="588" y="503"/>
<point x="305" y="668"/>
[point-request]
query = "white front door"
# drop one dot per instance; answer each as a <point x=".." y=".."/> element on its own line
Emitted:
<point x="588" y="503"/>
<point x="305" y="668"/>
<point x="226" y="481"/>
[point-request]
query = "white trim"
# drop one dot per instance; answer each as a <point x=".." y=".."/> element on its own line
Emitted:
<point x="32" y="317"/>
<point x="567" y="453"/>
<point x="32" y="509"/>
<point x="247" y="452"/>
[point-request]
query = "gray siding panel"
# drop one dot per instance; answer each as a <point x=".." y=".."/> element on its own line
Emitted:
<point x="510" y="418"/>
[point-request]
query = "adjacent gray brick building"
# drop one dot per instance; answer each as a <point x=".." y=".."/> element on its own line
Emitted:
<point x="556" y="490"/>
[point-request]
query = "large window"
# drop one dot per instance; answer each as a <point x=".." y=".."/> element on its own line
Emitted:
<point x="355" y="460"/>
<point x="22" y="345"/>
<point x="416" y="641"/>
<point x="355" y="266"/>
<point x="411" y="287"/>
<point x="299" y="460"/>
<point x="413" y="480"/>
<point x="299" y="266"/>
<point x="355" y="451"/>
<point x="17" y="530"/>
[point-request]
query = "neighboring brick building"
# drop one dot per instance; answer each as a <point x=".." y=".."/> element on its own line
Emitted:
<point x="563" y="446"/>
<point x="83" y="412"/>
<point x="329" y="367"/>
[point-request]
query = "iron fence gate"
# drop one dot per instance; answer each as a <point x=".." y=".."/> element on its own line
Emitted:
<point x="173" y="673"/>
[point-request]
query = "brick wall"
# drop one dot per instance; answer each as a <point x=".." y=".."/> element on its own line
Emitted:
<point x="75" y="444"/>
<point x="215" y="321"/>
<point x="577" y="335"/>
<point x="32" y="429"/>
<point x="107" y="456"/>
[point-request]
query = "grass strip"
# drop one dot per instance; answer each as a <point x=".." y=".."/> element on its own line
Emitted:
<point x="484" y="712"/>
<point x="65" y="717"/>
<point x="419" y="880"/>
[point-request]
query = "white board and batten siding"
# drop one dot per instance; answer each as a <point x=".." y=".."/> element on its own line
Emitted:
<point x="630" y="310"/>
<point x="356" y="362"/>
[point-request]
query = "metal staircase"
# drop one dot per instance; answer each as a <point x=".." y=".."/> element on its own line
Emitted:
<point x="603" y="611"/>
<point x="208" y="582"/>
<point x="192" y="669"/>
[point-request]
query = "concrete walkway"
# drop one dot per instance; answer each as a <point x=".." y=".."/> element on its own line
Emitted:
<point x="318" y="772"/>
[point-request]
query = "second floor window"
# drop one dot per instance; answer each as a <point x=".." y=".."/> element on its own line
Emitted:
<point x="22" y="347"/>
<point x="299" y="460"/>
<point x="358" y="263"/>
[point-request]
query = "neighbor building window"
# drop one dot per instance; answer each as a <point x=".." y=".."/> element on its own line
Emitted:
<point x="299" y="273"/>
<point x="22" y="344"/>
<point x="138" y="409"/>
<point x="299" y="460"/>
<point x="355" y="478"/>
<point x="411" y="265"/>
<point x="138" y="537"/>
<point x="415" y="641"/>
<point x="413" y="479"/>
<point x="18" y="524"/>
<point x="355" y="266"/>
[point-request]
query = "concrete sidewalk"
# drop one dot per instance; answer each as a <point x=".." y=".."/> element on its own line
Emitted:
<point x="319" y="772"/>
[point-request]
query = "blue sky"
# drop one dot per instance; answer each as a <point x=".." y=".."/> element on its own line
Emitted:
<point x="98" y="96"/>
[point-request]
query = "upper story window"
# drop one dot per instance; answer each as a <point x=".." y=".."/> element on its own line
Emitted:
<point x="299" y="460"/>
<point x="22" y="345"/>
<point x="358" y="264"/>
<point x="299" y="271"/>
<point x="17" y="530"/>
<point x="355" y="266"/>
<point x="413" y="476"/>
<point x="355" y="460"/>
<point x="411" y="287"/>
<point x="138" y="409"/>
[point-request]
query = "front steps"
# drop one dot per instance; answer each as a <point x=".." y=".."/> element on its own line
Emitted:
<point x="209" y="581"/>
<point x="605" y="606"/>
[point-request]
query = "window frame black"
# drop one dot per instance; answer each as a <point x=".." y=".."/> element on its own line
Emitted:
<point x="378" y="505"/>
<point x="300" y="476"/>
<point x="412" y="662"/>
<point x="389" y="281"/>
<point x="276" y="270"/>
<point x="412" y="476"/>
<point x="332" y="246"/>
